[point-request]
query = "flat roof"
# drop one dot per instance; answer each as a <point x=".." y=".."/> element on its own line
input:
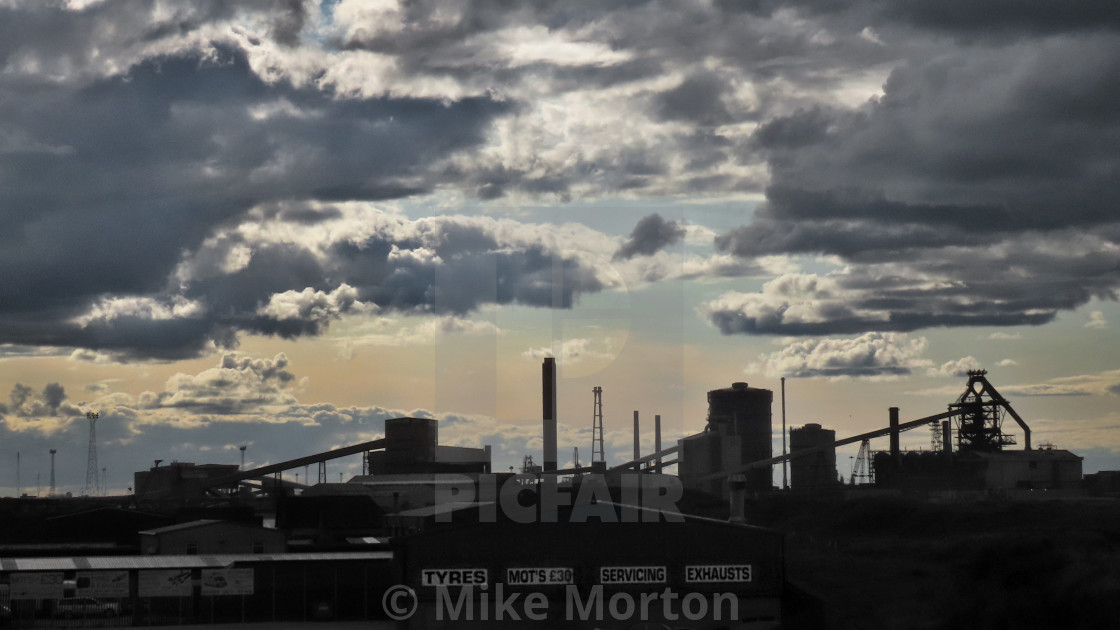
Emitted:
<point x="179" y="561"/>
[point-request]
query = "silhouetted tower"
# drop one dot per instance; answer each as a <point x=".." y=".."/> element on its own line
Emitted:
<point x="51" y="493"/>
<point x="104" y="485"/>
<point x="92" y="484"/>
<point x="19" y="489"/>
<point x="242" y="448"/>
<point x="979" y="415"/>
<point x="597" y="454"/>
<point x="864" y="471"/>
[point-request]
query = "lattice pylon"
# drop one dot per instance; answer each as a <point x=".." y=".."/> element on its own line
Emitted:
<point x="93" y="484"/>
<point x="597" y="454"/>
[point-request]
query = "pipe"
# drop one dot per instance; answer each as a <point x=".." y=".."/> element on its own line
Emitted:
<point x="896" y="452"/>
<point x="548" y="383"/>
<point x="657" y="438"/>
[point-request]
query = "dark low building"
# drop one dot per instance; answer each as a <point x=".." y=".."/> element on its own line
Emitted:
<point x="211" y="537"/>
<point x="178" y="483"/>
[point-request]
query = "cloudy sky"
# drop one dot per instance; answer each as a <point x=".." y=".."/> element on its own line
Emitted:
<point x="279" y="222"/>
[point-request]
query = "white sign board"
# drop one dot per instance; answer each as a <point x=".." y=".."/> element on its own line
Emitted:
<point x="39" y="585"/>
<point x="102" y="584"/>
<point x="712" y="573"/>
<point x="227" y="581"/>
<point x="453" y="577"/>
<point x="632" y="575"/>
<point x="526" y="576"/>
<point x="172" y="583"/>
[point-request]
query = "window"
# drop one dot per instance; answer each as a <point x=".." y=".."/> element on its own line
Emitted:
<point x="192" y="549"/>
<point x="258" y="547"/>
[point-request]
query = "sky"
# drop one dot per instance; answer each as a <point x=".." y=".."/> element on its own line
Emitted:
<point x="278" y="223"/>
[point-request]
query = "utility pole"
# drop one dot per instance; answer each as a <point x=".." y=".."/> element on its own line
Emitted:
<point x="93" y="485"/>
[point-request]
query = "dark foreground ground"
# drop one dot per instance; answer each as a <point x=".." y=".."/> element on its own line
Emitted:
<point x="885" y="563"/>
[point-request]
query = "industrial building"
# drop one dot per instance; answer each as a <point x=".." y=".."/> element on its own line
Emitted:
<point x="412" y="447"/>
<point x="816" y="471"/>
<point x="208" y="536"/>
<point x="738" y="432"/>
<point x="179" y="482"/>
<point x="335" y="548"/>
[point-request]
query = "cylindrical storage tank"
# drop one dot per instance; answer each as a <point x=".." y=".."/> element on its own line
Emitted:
<point x="411" y="441"/>
<point x="745" y="411"/>
<point x="816" y="470"/>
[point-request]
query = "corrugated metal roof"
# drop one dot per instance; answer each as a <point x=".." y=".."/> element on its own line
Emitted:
<point x="180" y="562"/>
<point x="151" y="562"/>
<point x="181" y="526"/>
<point x="44" y="564"/>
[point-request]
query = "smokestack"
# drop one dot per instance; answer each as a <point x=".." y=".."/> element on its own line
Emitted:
<point x="548" y="382"/>
<point x="51" y="493"/>
<point x="637" y="445"/>
<point x="896" y="453"/>
<point x="785" y="468"/>
<point x="657" y="439"/>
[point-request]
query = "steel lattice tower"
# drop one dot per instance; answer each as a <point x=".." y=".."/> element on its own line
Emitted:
<point x="597" y="454"/>
<point x="93" y="487"/>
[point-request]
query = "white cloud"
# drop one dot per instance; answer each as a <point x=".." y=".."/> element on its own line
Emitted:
<point x="309" y="304"/>
<point x="955" y="369"/>
<point x="1097" y="321"/>
<point x="573" y="351"/>
<point x="871" y="355"/>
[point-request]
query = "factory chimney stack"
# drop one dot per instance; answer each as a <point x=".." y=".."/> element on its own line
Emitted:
<point x="548" y="382"/>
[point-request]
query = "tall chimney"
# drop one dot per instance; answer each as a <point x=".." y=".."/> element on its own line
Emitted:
<point x="657" y="439"/>
<point x="637" y="444"/>
<point x="51" y="493"/>
<point x="896" y="452"/>
<point x="548" y="382"/>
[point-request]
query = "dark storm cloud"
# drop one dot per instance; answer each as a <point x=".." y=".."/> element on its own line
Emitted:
<point x="287" y="25"/>
<point x="978" y="190"/>
<point x="134" y="133"/>
<point x="649" y="236"/>
<point x="25" y="402"/>
<point x="697" y="99"/>
<point x="443" y="266"/>
<point x="129" y="172"/>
